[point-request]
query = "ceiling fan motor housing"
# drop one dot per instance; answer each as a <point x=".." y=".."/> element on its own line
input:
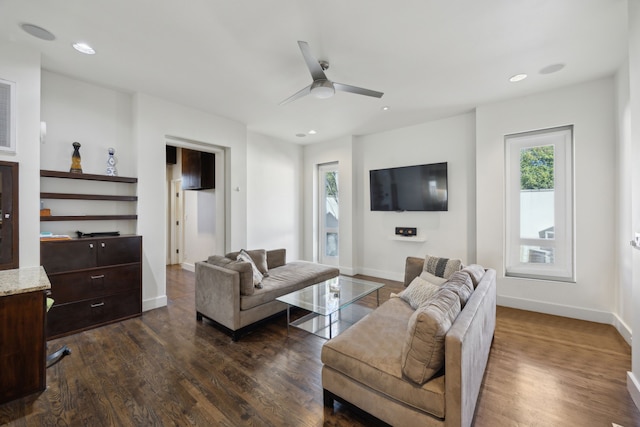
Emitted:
<point x="322" y="89"/>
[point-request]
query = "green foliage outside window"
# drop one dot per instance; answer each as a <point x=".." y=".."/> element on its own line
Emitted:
<point x="536" y="168"/>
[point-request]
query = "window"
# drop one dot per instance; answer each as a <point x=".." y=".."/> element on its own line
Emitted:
<point x="539" y="205"/>
<point x="329" y="218"/>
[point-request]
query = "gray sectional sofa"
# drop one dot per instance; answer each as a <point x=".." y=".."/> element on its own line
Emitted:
<point x="227" y="295"/>
<point x="370" y="365"/>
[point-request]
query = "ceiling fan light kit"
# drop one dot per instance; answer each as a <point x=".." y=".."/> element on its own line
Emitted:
<point x="322" y="87"/>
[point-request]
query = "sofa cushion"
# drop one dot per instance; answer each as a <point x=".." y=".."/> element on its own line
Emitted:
<point x="460" y="283"/>
<point x="288" y="278"/>
<point x="418" y="291"/>
<point x="423" y="347"/>
<point x="441" y="267"/>
<point x="370" y="353"/>
<point x="257" y="276"/>
<point x="258" y="256"/>
<point x="244" y="269"/>
<point x="475" y="272"/>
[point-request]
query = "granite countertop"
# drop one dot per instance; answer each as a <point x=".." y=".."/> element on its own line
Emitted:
<point x="22" y="280"/>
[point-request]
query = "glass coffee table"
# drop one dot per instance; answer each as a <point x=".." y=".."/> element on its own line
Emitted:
<point x="331" y="305"/>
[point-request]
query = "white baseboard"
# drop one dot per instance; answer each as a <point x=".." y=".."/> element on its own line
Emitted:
<point x="157" y="302"/>
<point x="347" y="271"/>
<point x="622" y="328"/>
<point x="399" y="277"/>
<point x="557" y="309"/>
<point x="188" y="266"/>
<point x="633" y="387"/>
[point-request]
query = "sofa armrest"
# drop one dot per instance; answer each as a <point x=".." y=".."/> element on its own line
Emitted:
<point x="412" y="269"/>
<point x="276" y="258"/>
<point x="467" y="347"/>
<point x="218" y="294"/>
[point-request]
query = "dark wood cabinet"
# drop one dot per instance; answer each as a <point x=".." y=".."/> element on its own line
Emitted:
<point x="198" y="170"/>
<point x="94" y="281"/>
<point x="9" y="227"/>
<point x="22" y="345"/>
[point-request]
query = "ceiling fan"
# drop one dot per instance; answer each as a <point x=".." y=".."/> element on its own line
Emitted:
<point x="322" y="87"/>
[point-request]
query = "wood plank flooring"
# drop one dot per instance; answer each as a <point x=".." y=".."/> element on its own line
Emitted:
<point x="165" y="368"/>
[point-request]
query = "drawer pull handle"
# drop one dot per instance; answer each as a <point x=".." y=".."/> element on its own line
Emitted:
<point x="90" y="245"/>
<point x="103" y="244"/>
<point x="97" y="277"/>
<point x="100" y="304"/>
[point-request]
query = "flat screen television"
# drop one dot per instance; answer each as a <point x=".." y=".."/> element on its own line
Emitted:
<point x="409" y="188"/>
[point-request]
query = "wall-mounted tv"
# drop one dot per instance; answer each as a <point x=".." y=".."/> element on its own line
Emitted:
<point x="409" y="188"/>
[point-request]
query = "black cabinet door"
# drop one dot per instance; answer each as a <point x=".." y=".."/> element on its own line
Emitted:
<point x="8" y="215"/>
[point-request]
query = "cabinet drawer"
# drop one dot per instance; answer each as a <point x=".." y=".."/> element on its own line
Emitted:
<point x="119" y="250"/>
<point x="85" y="314"/>
<point x="95" y="283"/>
<point x="67" y="255"/>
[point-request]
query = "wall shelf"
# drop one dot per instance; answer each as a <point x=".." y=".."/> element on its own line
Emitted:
<point x="76" y="196"/>
<point x="417" y="238"/>
<point x="86" y="217"/>
<point x="87" y="176"/>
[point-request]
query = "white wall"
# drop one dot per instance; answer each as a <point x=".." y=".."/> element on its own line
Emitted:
<point x="274" y="189"/>
<point x="590" y="108"/>
<point x="633" y="379"/>
<point x="22" y="66"/>
<point x="623" y="301"/>
<point x="448" y="234"/>
<point x="341" y="151"/>
<point x="154" y="120"/>
<point x="97" y="118"/>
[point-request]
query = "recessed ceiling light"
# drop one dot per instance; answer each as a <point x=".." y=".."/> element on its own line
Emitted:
<point x="385" y="108"/>
<point x="312" y="132"/>
<point x="553" y="68"/>
<point x="38" y="32"/>
<point x="517" y="78"/>
<point x="84" y="48"/>
<point x="301" y="135"/>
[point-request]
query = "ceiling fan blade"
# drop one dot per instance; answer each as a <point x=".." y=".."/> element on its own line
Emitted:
<point x="298" y="94"/>
<point x="312" y="63"/>
<point x="357" y="90"/>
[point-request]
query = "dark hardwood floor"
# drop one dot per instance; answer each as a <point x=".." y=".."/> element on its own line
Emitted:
<point x="165" y="368"/>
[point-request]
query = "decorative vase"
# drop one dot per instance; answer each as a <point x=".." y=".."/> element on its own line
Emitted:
<point x="75" y="159"/>
<point x="111" y="163"/>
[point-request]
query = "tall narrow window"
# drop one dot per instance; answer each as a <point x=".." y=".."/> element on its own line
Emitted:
<point x="329" y="217"/>
<point x="539" y="205"/>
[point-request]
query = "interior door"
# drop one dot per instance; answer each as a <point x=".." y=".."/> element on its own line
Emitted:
<point x="9" y="216"/>
<point x="329" y="214"/>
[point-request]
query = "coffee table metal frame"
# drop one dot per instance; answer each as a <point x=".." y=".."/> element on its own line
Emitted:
<point x="330" y="304"/>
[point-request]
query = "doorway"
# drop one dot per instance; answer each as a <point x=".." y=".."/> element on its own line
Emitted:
<point x="329" y="214"/>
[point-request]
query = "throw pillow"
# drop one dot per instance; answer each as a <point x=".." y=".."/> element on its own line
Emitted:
<point x="418" y="291"/>
<point x="431" y="278"/>
<point x="441" y="267"/>
<point x="244" y="270"/>
<point x="423" y="348"/>
<point x="257" y="276"/>
<point x="460" y="283"/>
<point x="476" y="272"/>
<point x="259" y="257"/>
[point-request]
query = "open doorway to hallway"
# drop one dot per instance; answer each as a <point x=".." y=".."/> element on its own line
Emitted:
<point x="195" y="209"/>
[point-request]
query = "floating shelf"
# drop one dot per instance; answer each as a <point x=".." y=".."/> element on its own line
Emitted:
<point x="73" y="196"/>
<point x="417" y="238"/>
<point x="87" y="176"/>
<point x="86" y="217"/>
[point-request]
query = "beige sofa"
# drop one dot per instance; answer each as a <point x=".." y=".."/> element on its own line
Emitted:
<point x="226" y="295"/>
<point x="362" y="366"/>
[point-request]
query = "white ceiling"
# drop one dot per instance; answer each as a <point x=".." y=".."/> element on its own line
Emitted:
<point x="239" y="58"/>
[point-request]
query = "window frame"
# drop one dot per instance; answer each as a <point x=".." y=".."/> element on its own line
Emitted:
<point x="563" y="269"/>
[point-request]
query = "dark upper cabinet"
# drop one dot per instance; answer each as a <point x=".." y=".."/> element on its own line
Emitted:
<point x="198" y="170"/>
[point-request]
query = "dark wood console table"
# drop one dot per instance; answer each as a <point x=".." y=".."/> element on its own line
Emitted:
<point x="22" y="332"/>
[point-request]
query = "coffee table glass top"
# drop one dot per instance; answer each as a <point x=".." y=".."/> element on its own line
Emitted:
<point x="332" y="295"/>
